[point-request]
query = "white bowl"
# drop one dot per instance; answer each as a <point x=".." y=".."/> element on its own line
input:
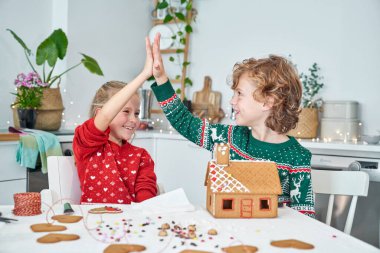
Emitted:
<point x="371" y="139"/>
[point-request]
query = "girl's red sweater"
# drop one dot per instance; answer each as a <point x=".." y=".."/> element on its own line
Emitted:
<point x="110" y="173"/>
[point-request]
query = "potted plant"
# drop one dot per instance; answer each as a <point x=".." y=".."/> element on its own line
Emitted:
<point x="52" y="49"/>
<point x="28" y="98"/>
<point x="307" y="126"/>
<point x="182" y="15"/>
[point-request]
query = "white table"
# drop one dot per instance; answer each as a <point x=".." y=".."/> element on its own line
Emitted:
<point x="18" y="237"/>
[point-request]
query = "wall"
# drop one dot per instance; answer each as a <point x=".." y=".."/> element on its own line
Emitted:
<point x="341" y="36"/>
<point x="113" y="34"/>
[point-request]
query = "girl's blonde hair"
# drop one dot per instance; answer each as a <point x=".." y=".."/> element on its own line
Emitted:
<point x="104" y="93"/>
<point x="274" y="77"/>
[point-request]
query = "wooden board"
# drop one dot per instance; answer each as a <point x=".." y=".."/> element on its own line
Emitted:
<point x="207" y="96"/>
<point x="206" y="103"/>
<point x="9" y="137"/>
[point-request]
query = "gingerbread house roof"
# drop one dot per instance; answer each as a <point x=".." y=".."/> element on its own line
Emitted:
<point x="255" y="177"/>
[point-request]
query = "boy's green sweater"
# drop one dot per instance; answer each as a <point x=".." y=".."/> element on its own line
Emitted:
<point x="293" y="160"/>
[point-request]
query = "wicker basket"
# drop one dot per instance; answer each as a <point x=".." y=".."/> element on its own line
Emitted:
<point x="49" y="115"/>
<point x="307" y="126"/>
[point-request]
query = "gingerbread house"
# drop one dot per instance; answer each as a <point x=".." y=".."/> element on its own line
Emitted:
<point x="241" y="189"/>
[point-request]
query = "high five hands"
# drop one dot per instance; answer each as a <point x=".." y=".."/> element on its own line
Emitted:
<point x="153" y="63"/>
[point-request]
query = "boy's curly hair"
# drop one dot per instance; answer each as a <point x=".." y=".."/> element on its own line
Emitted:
<point x="275" y="77"/>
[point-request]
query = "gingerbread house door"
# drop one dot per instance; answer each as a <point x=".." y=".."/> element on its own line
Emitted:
<point x="246" y="208"/>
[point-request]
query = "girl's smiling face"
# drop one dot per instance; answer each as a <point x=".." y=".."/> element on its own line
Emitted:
<point x="126" y="121"/>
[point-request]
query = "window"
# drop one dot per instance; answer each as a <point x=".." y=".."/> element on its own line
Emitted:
<point x="264" y="204"/>
<point x="227" y="204"/>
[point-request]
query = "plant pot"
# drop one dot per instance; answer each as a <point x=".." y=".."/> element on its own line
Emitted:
<point x="307" y="126"/>
<point x="27" y="118"/>
<point x="49" y="114"/>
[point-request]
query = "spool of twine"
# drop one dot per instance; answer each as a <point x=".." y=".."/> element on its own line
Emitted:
<point x="27" y="204"/>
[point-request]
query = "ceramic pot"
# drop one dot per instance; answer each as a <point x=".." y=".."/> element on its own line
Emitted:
<point x="27" y="118"/>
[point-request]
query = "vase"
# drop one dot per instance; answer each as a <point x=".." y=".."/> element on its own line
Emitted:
<point x="27" y="118"/>
<point x="49" y="114"/>
<point x="307" y="126"/>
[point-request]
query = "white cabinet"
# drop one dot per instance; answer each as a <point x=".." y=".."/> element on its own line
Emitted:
<point x="178" y="164"/>
<point x="181" y="163"/>
<point x="12" y="175"/>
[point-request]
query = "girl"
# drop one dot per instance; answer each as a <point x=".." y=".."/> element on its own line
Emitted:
<point x="110" y="169"/>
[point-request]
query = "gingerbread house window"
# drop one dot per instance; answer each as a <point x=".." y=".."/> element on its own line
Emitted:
<point x="265" y="204"/>
<point x="228" y="204"/>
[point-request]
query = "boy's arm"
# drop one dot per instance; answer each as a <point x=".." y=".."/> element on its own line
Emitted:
<point x="301" y="191"/>
<point x="196" y="130"/>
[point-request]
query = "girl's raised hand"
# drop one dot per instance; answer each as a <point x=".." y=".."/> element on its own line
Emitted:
<point x="158" y="66"/>
<point x="148" y="67"/>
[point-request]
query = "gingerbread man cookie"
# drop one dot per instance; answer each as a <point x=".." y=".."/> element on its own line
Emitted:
<point x="105" y="209"/>
<point x="67" y="218"/>
<point x="291" y="243"/>
<point x="124" y="248"/>
<point x="54" y="238"/>
<point x="47" y="227"/>
<point x="240" y="249"/>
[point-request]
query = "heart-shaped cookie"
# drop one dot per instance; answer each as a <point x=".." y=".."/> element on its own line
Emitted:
<point x="124" y="248"/>
<point x="240" y="249"/>
<point x="54" y="238"/>
<point x="67" y="218"/>
<point x="292" y="243"/>
<point x="46" y="227"/>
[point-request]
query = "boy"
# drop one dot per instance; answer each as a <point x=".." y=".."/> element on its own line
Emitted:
<point x="266" y="100"/>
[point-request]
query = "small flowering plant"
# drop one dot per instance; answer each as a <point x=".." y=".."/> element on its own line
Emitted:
<point x="29" y="90"/>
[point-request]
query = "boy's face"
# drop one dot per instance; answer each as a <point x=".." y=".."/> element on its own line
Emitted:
<point x="248" y="111"/>
<point x="126" y="121"/>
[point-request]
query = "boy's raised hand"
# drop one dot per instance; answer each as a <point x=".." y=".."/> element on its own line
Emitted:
<point x="148" y="67"/>
<point x="158" y="66"/>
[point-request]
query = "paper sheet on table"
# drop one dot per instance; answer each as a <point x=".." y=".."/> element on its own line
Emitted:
<point x="173" y="201"/>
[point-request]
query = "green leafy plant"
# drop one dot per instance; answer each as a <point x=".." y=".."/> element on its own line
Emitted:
<point x="184" y="29"/>
<point x="311" y="86"/>
<point x="49" y="51"/>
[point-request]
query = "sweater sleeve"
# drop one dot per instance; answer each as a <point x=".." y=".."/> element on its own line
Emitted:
<point x="88" y="139"/>
<point x="146" y="181"/>
<point x="301" y="191"/>
<point x="196" y="130"/>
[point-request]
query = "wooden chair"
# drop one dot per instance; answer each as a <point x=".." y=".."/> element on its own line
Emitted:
<point x="64" y="183"/>
<point x="349" y="183"/>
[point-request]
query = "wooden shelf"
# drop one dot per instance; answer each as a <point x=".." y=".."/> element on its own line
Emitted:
<point x="161" y="21"/>
<point x="156" y="111"/>
<point x="9" y="137"/>
<point x="171" y="51"/>
<point x="185" y="49"/>
<point x="175" y="80"/>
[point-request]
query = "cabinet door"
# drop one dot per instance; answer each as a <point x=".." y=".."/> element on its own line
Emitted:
<point x="9" y="168"/>
<point x="182" y="164"/>
<point x="8" y="188"/>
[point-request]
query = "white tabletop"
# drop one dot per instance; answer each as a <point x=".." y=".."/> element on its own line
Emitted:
<point x="18" y="237"/>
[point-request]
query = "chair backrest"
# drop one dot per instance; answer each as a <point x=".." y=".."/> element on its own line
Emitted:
<point x="63" y="179"/>
<point x="349" y="183"/>
<point x="64" y="183"/>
